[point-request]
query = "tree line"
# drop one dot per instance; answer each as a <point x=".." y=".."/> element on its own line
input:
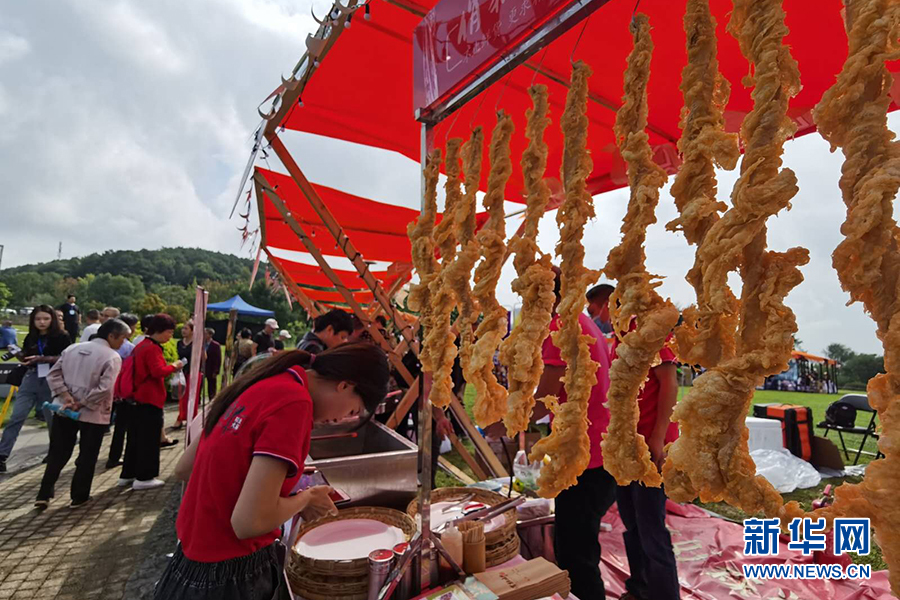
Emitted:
<point x="855" y="369"/>
<point x="146" y="281"/>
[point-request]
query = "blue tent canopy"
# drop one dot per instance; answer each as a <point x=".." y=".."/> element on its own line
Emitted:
<point x="237" y="303"/>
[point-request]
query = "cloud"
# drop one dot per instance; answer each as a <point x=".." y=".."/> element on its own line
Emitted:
<point x="12" y="47"/>
<point x="126" y="126"/>
<point x="125" y="29"/>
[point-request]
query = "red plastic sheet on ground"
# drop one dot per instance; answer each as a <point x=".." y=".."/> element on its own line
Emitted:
<point x="709" y="551"/>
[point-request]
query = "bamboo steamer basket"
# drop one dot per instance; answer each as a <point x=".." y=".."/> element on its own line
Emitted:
<point x="317" y="579"/>
<point x="502" y="543"/>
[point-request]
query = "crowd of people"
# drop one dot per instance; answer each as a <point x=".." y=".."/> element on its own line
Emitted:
<point x="580" y="508"/>
<point x="243" y="463"/>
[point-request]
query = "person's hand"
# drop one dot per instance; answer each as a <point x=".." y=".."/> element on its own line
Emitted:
<point x="178" y="364"/>
<point x="32" y="360"/>
<point x="495" y="431"/>
<point x="68" y="401"/>
<point x="443" y="427"/>
<point x="657" y="444"/>
<point x="318" y="504"/>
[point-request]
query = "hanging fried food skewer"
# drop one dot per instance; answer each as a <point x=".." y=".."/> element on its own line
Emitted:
<point x="852" y="116"/>
<point x="490" y="396"/>
<point x="439" y="339"/>
<point x="706" y="337"/>
<point x="568" y="446"/>
<point x="521" y="351"/>
<point x="711" y="458"/>
<point x="625" y="452"/>
<point x="456" y="275"/>
<point x="421" y="236"/>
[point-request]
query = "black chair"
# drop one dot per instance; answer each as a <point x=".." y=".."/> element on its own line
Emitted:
<point x="860" y="403"/>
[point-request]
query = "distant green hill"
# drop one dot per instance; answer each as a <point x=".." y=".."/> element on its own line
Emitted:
<point x="172" y="266"/>
<point x="144" y="281"/>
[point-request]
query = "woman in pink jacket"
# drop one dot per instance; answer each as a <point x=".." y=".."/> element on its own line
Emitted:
<point x="82" y="383"/>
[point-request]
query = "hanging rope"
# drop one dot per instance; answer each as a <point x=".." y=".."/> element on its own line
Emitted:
<point x="477" y="110"/>
<point x="450" y="129"/>
<point x="634" y="12"/>
<point x="503" y="89"/>
<point x="538" y="68"/>
<point x="578" y="41"/>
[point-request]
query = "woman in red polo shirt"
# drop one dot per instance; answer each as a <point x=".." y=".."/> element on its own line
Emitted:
<point x="243" y="467"/>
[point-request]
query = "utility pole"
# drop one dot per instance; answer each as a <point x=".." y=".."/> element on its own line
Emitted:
<point x="59" y="252"/>
<point x="1" y="255"/>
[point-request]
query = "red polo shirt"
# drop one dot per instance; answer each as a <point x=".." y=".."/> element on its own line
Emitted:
<point x="648" y="400"/>
<point x="598" y="414"/>
<point x="274" y="418"/>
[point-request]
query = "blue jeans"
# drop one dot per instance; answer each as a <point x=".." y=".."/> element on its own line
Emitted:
<point x="31" y="395"/>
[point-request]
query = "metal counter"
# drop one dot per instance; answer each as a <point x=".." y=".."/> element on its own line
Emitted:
<point x="377" y="467"/>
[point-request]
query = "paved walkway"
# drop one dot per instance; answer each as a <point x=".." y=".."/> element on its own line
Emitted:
<point x="31" y="447"/>
<point x="113" y="548"/>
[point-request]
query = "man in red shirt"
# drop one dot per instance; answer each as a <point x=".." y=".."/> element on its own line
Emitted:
<point x="580" y="508"/>
<point x="651" y="560"/>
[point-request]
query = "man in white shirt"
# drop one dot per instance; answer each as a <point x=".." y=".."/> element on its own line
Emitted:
<point x="102" y="317"/>
<point x="128" y="346"/>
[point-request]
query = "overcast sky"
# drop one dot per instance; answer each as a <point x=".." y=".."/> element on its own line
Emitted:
<point x="126" y="125"/>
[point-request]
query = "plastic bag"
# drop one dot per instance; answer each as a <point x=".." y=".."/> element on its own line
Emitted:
<point x="178" y="381"/>
<point x="526" y="473"/>
<point x="784" y="470"/>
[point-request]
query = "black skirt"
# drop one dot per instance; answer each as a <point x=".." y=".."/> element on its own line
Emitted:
<point x="259" y="576"/>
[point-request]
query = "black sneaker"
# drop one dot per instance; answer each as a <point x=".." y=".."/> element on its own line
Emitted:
<point x="2" y="464"/>
<point x="113" y="465"/>
<point x="80" y="503"/>
<point x="41" y="504"/>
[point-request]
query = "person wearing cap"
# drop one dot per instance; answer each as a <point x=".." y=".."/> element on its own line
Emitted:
<point x="598" y="307"/>
<point x="329" y="331"/>
<point x="264" y="341"/>
<point x="283" y="335"/>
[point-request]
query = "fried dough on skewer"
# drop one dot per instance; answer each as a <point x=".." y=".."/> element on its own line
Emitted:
<point x="852" y="116"/>
<point x="568" y="445"/>
<point x="421" y="236"/>
<point x="706" y="337"/>
<point x="490" y="396"/>
<point x="625" y="452"/>
<point x="439" y="338"/>
<point x="458" y="274"/>
<point x="521" y="351"/>
<point x="711" y="458"/>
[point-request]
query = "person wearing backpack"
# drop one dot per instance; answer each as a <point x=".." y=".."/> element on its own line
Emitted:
<point x="122" y="406"/>
<point x="82" y="381"/>
<point x="145" y="382"/>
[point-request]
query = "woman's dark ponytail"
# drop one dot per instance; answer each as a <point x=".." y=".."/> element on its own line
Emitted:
<point x="363" y="365"/>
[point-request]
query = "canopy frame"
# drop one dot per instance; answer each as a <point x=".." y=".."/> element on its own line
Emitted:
<point x="264" y="189"/>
